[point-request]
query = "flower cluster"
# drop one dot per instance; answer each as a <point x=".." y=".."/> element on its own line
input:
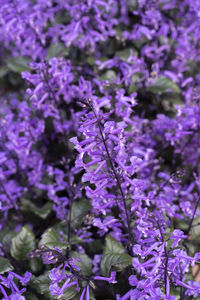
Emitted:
<point x="9" y="283"/>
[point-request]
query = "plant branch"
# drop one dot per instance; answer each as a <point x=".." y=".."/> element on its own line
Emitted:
<point x="114" y="171"/>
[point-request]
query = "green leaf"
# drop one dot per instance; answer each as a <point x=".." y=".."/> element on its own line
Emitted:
<point x="30" y="296"/>
<point x="70" y="293"/>
<point x="172" y="98"/>
<point x="42" y="212"/>
<point x="41" y="284"/>
<point x="114" y="256"/>
<point x="36" y="264"/>
<point x="109" y="75"/>
<point x="162" y="84"/>
<point x="51" y="238"/>
<point x="112" y="246"/>
<point x="4" y="71"/>
<point x="169" y="244"/>
<point x="56" y="50"/>
<point x="7" y="240"/>
<point x="79" y="210"/>
<point x="22" y="244"/>
<point x="4" y="231"/>
<point x="5" y="265"/>
<point x="133" y="5"/>
<point x="120" y="261"/>
<point x="125" y="53"/>
<point x="91" y="295"/>
<point x="90" y="60"/>
<point x="135" y="79"/>
<point x="85" y="263"/>
<point x="19" y="64"/>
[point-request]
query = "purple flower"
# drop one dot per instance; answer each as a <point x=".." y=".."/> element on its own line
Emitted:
<point x="111" y="279"/>
<point x="9" y="283"/>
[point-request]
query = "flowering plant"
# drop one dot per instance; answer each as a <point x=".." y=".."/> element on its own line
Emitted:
<point x="99" y="149"/>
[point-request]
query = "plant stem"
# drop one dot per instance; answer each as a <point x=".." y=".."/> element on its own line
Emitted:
<point x="166" y="255"/>
<point x="114" y="172"/>
<point x="194" y="213"/>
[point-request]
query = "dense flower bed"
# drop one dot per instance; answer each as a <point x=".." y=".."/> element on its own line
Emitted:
<point x="99" y="149"/>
